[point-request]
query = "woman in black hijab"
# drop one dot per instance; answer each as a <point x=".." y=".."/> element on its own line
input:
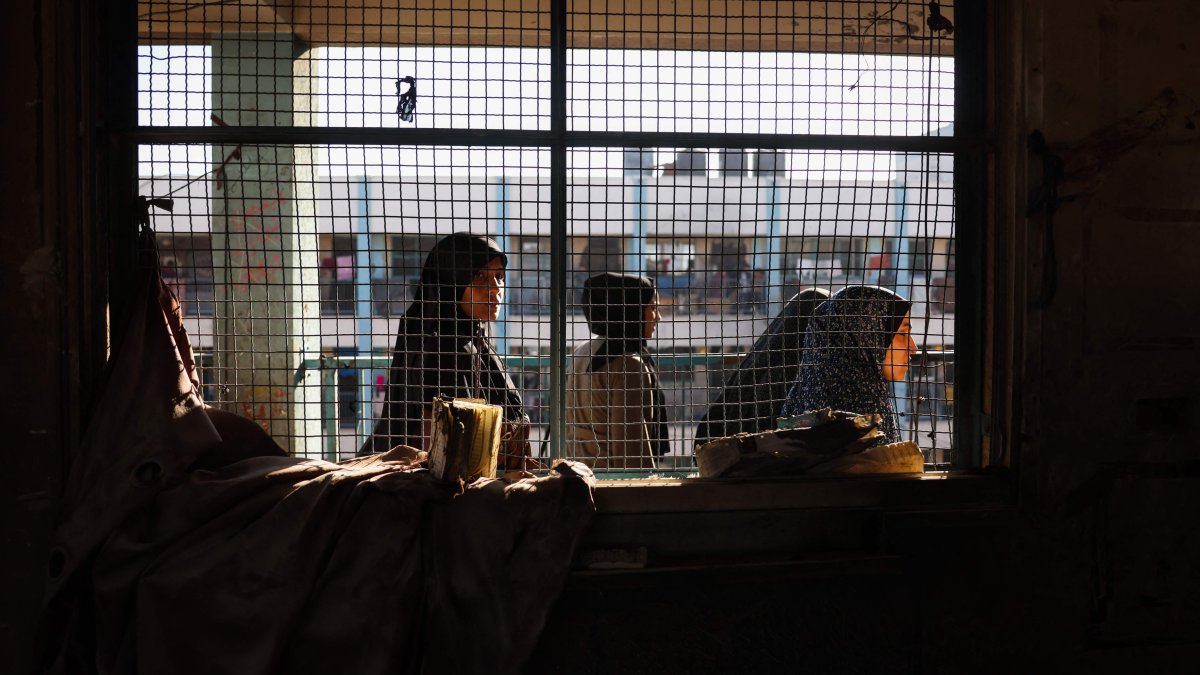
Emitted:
<point x="755" y="392"/>
<point x="442" y="347"/>
<point x="616" y="413"/>
<point x="858" y="342"/>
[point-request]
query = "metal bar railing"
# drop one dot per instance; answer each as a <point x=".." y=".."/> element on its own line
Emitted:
<point x="329" y="366"/>
<point x="517" y="361"/>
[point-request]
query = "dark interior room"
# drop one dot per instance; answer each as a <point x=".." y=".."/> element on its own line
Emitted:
<point x="1048" y="528"/>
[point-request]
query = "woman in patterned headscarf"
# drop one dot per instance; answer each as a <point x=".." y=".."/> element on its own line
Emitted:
<point x="857" y="342"/>
<point x="442" y="346"/>
<point x="756" y="391"/>
<point x="616" y="417"/>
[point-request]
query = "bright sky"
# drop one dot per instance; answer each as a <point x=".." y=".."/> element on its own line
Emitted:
<point x="610" y="90"/>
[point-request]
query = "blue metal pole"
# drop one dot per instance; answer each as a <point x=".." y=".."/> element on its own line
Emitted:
<point x="362" y="306"/>
<point x="635" y="255"/>
<point x="329" y="410"/>
<point x="774" y="270"/>
<point x="903" y="246"/>
<point x="500" y="332"/>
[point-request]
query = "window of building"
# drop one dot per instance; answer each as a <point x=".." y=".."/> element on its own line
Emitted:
<point x="336" y="277"/>
<point x="734" y="157"/>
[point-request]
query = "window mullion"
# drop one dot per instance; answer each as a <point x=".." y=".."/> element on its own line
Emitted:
<point x="558" y="226"/>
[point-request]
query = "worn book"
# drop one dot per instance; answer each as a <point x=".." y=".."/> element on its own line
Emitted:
<point x="465" y="438"/>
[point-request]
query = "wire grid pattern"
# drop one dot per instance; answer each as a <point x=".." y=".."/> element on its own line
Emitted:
<point x="296" y="263"/>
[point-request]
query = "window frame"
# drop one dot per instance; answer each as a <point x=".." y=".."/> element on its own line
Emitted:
<point x="968" y="145"/>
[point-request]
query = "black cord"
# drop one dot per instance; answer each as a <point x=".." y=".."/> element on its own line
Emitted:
<point x="186" y="8"/>
<point x="862" y="41"/>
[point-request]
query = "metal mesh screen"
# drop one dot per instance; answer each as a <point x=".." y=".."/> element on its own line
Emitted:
<point x="734" y="154"/>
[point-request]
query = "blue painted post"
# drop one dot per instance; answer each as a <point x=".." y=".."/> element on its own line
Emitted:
<point x="635" y="254"/>
<point x="329" y="411"/>
<point x="774" y="261"/>
<point x="903" y="248"/>
<point x="362" y="307"/>
<point x="500" y="331"/>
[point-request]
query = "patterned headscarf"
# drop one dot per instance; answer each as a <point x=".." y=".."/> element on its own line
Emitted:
<point x="844" y="348"/>
<point x="752" y="397"/>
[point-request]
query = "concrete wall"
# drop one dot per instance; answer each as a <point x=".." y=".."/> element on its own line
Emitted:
<point x="675" y="207"/>
<point x="1107" y="451"/>
<point x="52" y="272"/>
<point x="1093" y="566"/>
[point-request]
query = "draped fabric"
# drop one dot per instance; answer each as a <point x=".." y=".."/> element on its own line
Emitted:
<point x="439" y="350"/>
<point x="280" y="565"/>
<point x="844" y="348"/>
<point x="263" y="564"/>
<point x="755" y="392"/>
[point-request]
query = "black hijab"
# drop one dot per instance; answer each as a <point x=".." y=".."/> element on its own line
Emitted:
<point x="439" y="349"/>
<point x="449" y="268"/>
<point x="755" y="392"/>
<point x="615" y="308"/>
